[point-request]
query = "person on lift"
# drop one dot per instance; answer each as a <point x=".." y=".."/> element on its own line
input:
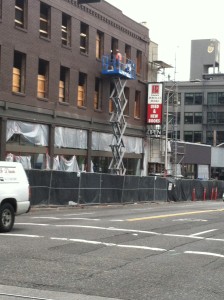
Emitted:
<point x="118" y="58"/>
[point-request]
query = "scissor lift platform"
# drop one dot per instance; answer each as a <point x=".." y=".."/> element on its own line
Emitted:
<point x="116" y="68"/>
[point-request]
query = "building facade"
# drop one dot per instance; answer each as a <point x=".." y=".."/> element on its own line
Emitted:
<point x="54" y="101"/>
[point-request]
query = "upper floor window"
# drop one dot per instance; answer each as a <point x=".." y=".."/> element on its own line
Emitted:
<point x="221" y="98"/>
<point x="99" y="44"/>
<point x="193" y="98"/>
<point x="64" y="84"/>
<point x="198" y="118"/>
<point x="0" y="9"/>
<point x="127" y="52"/>
<point x="137" y="104"/>
<point x="18" y="74"/>
<point x="197" y="137"/>
<point x="84" y="36"/>
<point x="220" y="117"/>
<point x="188" y="118"/>
<point x="127" y="94"/>
<point x="43" y="79"/>
<point x="66" y="30"/>
<point x="20" y="13"/>
<point x="44" y="20"/>
<point x="111" y="103"/>
<point x="198" y="97"/>
<point x="81" y="100"/>
<point x="188" y="136"/>
<point x="138" y="62"/>
<point x="114" y="46"/>
<point x="215" y="98"/>
<point x="97" y="94"/>
<point x="211" y="117"/>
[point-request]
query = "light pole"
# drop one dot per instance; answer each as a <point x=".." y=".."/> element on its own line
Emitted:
<point x="167" y="125"/>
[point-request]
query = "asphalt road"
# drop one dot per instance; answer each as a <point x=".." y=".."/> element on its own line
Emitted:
<point x="133" y="252"/>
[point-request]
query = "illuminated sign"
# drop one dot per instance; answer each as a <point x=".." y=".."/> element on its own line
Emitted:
<point x="154" y="105"/>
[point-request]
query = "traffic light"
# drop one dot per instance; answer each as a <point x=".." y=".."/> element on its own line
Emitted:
<point x="87" y="1"/>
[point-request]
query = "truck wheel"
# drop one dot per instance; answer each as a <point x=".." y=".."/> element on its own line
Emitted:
<point x="7" y="217"/>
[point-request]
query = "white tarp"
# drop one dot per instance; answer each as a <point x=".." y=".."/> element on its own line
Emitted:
<point x="24" y="160"/>
<point x="102" y="141"/>
<point x="36" y="134"/>
<point x="203" y="172"/>
<point x="62" y="164"/>
<point x="70" y="138"/>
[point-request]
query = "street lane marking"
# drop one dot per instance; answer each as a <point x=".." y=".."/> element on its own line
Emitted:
<point x="111" y="244"/>
<point x="189" y="220"/>
<point x="79" y="214"/>
<point x="33" y="224"/>
<point x="21" y="235"/>
<point x="24" y="297"/>
<point x="117" y="245"/>
<point x="183" y="235"/>
<point x="174" y="215"/>
<point x="56" y="218"/>
<point x="213" y="239"/>
<point x="200" y="233"/>
<point x="204" y="253"/>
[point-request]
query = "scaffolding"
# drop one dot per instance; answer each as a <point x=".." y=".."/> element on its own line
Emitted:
<point x="119" y="72"/>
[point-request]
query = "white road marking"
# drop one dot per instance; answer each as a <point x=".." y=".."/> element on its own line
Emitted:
<point x="189" y="220"/>
<point x="204" y="253"/>
<point x="56" y="218"/>
<point x="32" y="224"/>
<point x="24" y="297"/>
<point x="80" y="214"/>
<point x="117" y="245"/>
<point x="200" y="233"/>
<point x="212" y="239"/>
<point x="21" y="235"/>
<point x="111" y="244"/>
<point x="185" y="236"/>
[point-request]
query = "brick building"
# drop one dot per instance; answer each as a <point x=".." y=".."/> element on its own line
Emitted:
<point x="54" y="100"/>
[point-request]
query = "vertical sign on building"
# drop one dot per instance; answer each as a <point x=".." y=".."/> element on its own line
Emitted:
<point x="154" y="105"/>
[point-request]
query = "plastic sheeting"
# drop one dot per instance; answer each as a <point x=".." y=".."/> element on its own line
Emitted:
<point x="70" y="138"/>
<point x="36" y="134"/>
<point x="102" y="141"/>
<point x="62" y="164"/>
<point x="24" y="160"/>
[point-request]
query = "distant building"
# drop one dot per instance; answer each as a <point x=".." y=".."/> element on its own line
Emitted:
<point x="197" y="111"/>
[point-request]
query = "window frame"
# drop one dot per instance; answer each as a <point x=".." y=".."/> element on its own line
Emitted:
<point x="66" y="30"/>
<point x="45" y="18"/>
<point x="63" y="93"/>
<point x="84" y="38"/>
<point x="20" y="8"/>
<point x="137" y="105"/>
<point x="82" y="90"/>
<point x="19" y="73"/>
<point x="43" y="79"/>
<point x="99" y="44"/>
<point x="97" y="102"/>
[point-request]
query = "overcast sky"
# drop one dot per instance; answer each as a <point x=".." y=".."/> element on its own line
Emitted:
<point x="174" y="23"/>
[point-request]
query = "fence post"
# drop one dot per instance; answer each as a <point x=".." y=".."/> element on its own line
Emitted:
<point x="216" y="193"/>
<point x="204" y="193"/>
<point x="49" y="192"/>
<point x="212" y="193"/>
<point x="193" y="194"/>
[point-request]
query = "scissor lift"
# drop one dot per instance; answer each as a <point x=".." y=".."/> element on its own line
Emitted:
<point x="120" y="72"/>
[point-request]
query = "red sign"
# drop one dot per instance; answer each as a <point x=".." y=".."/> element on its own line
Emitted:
<point x="154" y="108"/>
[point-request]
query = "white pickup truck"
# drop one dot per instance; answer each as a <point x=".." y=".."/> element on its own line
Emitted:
<point x="14" y="193"/>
